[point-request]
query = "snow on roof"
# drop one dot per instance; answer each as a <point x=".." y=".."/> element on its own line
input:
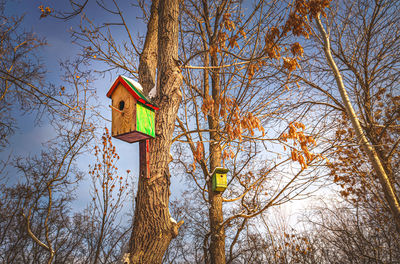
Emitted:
<point x="135" y="83"/>
<point x="133" y="88"/>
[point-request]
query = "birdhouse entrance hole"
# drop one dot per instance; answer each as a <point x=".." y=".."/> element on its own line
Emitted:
<point x="121" y="105"/>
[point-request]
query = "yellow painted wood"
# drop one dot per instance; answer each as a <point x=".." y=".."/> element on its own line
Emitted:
<point x="220" y="182"/>
<point x="219" y="179"/>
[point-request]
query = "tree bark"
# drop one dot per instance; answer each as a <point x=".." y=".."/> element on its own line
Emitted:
<point x="217" y="245"/>
<point x="148" y="58"/>
<point x="369" y="149"/>
<point x="153" y="227"/>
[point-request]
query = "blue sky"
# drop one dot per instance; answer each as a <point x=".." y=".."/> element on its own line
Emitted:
<point x="30" y="137"/>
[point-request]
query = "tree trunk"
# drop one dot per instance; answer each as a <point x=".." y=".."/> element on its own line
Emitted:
<point x="370" y="150"/>
<point x="153" y="227"/>
<point x="148" y="58"/>
<point x="217" y="245"/>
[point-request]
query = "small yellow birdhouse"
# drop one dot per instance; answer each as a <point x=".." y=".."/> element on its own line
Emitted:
<point x="219" y="179"/>
<point x="133" y="114"/>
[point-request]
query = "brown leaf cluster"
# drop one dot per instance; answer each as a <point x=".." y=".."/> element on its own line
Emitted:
<point x="228" y="154"/>
<point x="254" y="67"/>
<point x="297" y="245"/>
<point x="228" y="35"/>
<point x="304" y="10"/>
<point x="227" y="23"/>
<point x="290" y="64"/>
<point x="297" y="50"/>
<point x="198" y="154"/>
<point x="208" y="105"/>
<point x="45" y="11"/>
<point x="223" y="37"/>
<point x="239" y="122"/>
<point x="349" y="169"/>
<point x="271" y="49"/>
<point x="296" y="134"/>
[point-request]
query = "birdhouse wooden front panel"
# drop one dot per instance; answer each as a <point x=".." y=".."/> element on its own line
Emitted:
<point x="124" y="120"/>
<point x="133" y="114"/>
<point x="219" y="179"/>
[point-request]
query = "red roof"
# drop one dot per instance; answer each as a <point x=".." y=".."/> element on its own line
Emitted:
<point x="132" y="88"/>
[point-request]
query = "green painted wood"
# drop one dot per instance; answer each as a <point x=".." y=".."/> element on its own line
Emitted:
<point x="145" y="120"/>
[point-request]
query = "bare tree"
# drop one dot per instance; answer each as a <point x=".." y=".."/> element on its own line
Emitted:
<point x="356" y="42"/>
<point x="232" y="94"/>
<point x="365" y="143"/>
<point x="152" y="226"/>
<point x="110" y="191"/>
<point x="20" y="72"/>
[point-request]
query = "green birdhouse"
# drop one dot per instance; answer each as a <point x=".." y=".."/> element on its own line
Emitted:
<point x="133" y="114"/>
<point x="219" y="179"/>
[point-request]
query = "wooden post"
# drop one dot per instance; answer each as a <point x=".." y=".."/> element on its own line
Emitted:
<point x="144" y="158"/>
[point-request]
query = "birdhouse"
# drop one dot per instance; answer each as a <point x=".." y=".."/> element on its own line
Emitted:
<point x="133" y="114"/>
<point x="219" y="179"/>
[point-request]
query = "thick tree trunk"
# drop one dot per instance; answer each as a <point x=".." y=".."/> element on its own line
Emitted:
<point x="369" y="149"/>
<point x="153" y="227"/>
